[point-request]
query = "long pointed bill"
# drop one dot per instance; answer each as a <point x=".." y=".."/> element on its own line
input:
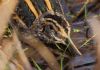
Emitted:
<point x="74" y="47"/>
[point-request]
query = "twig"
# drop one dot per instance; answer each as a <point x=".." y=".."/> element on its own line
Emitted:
<point x="16" y="17"/>
<point x="19" y="66"/>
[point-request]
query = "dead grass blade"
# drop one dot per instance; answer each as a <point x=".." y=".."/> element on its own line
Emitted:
<point x="29" y="39"/>
<point x="6" y="9"/>
<point x="21" y="55"/>
<point x="48" y="5"/>
<point x="32" y="8"/>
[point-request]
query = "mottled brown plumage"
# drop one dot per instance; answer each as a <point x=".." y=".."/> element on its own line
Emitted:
<point x="51" y="28"/>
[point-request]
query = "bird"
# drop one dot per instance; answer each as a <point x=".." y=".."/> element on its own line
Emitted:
<point x="49" y="29"/>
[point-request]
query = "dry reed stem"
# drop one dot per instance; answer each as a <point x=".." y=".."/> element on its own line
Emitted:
<point x="3" y="60"/>
<point x="21" y="57"/>
<point x="8" y="49"/>
<point x="12" y="46"/>
<point x="8" y="46"/>
<point x="42" y="49"/>
<point x="16" y="17"/>
<point x="6" y="9"/>
<point x="48" y="5"/>
<point x="32" y="8"/>
<point x="29" y="39"/>
<point x="18" y="66"/>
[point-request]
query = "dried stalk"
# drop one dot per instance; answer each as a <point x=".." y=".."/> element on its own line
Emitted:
<point x="32" y="8"/>
<point x="3" y="60"/>
<point x="42" y="49"/>
<point x="9" y="45"/>
<point x="12" y="46"/>
<point x="6" y="9"/>
<point x="85" y="43"/>
<point x="28" y="38"/>
<point x="18" y="66"/>
<point x="16" y="17"/>
<point x="21" y="55"/>
<point x="48" y="5"/>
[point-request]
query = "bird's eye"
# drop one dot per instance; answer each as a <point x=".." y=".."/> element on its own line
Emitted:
<point x="50" y="26"/>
